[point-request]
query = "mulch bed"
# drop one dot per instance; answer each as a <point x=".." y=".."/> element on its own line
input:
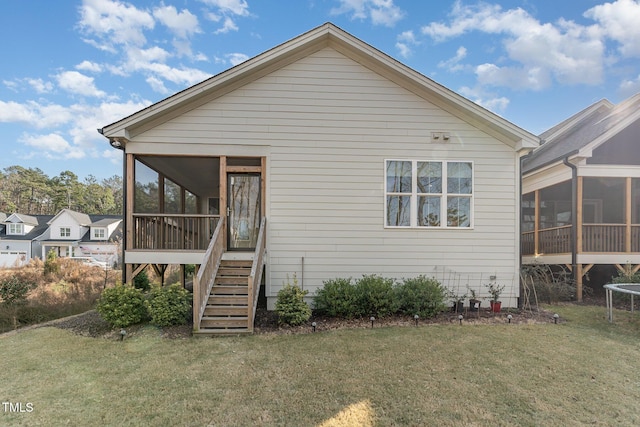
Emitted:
<point x="90" y="324"/>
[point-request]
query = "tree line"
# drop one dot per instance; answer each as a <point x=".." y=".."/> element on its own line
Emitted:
<point x="30" y="191"/>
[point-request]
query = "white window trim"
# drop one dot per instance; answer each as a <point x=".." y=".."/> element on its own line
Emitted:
<point x="413" y="204"/>
<point x="94" y="233"/>
<point x="18" y="229"/>
<point x="63" y="230"/>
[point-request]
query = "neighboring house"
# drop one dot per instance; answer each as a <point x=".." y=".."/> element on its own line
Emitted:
<point x="78" y="235"/>
<point x="581" y="192"/>
<point x="360" y="164"/>
<point x="18" y="242"/>
<point x="68" y="234"/>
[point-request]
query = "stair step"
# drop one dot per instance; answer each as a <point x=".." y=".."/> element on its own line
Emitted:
<point x="234" y="271"/>
<point x="231" y="331"/>
<point x="227" y="300"/>
<point x="231" y="310"/>
<point x="223" y="322"/>
<point x="233" y="280"/>
<point x="229" y="290"/>
<point x="236" y="263"/>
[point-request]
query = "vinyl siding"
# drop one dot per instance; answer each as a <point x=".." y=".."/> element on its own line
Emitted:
<point x="330" y="123"/>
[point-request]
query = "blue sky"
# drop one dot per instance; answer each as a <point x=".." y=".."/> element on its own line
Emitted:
<point x="71" y="67"/>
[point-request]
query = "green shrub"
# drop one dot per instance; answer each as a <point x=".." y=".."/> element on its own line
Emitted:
<point x="170" y="305"/>
<point x="420" y="295"/>
<point x="290" y="305"/>
<point x="337" y="298"/>
<point x="14" y="291"/>
<point x="122" y="306"/>
<point x="374" y="296"/>
<point x="141" y="281"/>
<point x="51" y="264"/>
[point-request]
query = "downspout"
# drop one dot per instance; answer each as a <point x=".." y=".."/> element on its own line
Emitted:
<point x="574" y="219"/>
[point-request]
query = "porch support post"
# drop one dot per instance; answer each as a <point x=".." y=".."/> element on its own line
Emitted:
<point x="578" y="275"/>
<point x="223" y="195"/>
<point x="129" y="182"/>
<point x="536" y="223"/>
<point x="578" y="220"/>
<point x="627" y="219"/>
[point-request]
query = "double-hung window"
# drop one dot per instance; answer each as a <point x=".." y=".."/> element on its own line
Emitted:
<point x="65" y="232"/>
<point x="15" y="229"/>
<point x="428" y="193"/>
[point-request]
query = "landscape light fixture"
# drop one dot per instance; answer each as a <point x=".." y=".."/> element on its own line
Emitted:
<point x="313" y="326"/>
<point x="555" y="318"/>
<point x="416" y="317"/>
<point x="123" y="333"/>
<point x="460" y="317"/>
<point x="509" y="317"/>
<point x="373" y="319"/>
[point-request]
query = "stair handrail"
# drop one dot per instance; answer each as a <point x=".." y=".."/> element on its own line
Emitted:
<point x="256" y="273"/>
<point x="204" y="280"/>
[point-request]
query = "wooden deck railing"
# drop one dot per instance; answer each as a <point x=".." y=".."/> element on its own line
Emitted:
<point x="173" y="231"/>
<point x="255" y="278"/>
<point x="203" y="281"/>
<point x="602" y="238"/>
<point x="556" y="240"/>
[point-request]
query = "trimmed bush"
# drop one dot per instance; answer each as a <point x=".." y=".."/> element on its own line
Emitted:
<point x="290" y="305"/>
<point x="122" y="306"/>
<point x="141" y="281"/>
<point x="337" y="298"/>
<point x="168" y="306"/>
<point x="374" y="296"/>
<point x="13" y="291"/>
<point x="420" y="295"/>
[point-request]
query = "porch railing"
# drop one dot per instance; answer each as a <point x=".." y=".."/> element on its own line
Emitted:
<point x="556" y="240"/>
<point x="203" y="281"/>
<point x="173" y="231"/>
<point x="255" y="277"/>
<point x="602" y="238"/>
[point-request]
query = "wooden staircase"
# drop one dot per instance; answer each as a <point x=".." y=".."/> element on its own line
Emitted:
<point x="227" y="308"/>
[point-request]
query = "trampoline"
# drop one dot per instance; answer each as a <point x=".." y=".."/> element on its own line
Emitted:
<point x="625" y="288"/>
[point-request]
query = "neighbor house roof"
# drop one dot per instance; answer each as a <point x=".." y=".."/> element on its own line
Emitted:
<point x="25" y="219"/>
<point x="81" y="218"/>
<point x="326" y="35"/>
<point x="40" y="223"/>
<point x="581" y="133"/>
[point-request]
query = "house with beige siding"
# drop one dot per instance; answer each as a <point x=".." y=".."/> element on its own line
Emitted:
<point x="320" y="158"/>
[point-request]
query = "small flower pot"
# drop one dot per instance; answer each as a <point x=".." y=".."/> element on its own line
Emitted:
<point x="474" y="305"/>
<point x="495" y="306"/>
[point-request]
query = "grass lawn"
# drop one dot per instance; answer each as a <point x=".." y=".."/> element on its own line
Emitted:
<point x="581" y="371"/>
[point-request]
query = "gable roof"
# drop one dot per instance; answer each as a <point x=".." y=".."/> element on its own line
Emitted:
<point x="326" y="35"/>
<point x="99" y="221"/>
<point x="580" y="134"/>
<point x="40" y="226"/>
<point x="18" y="217"/>
<point x="80" y="218"/>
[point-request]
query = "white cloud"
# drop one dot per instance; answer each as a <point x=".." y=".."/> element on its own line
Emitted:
<point x="77" y="83"/>
<point x="233" y="7"/>
<point x="236" y="58"/>
<point x="157" y="85"/>
<point x="51" y="146"/>
<point x="34" y="114"/>
<point x="182" y="24"/>
<point x="564" y="51"/>
<point x="89" y="66"/>
<point x="453" y="64"/>
<point x="404" y="43"/>
<point x="489" y="101"/>
<point x="40" y="85"/>
<point x="380" y="12"/>
<point x="112" y="22"/>
<point x="228" y="25"/>
<point x="629" y="87"/>
<point x="619" y="21"/>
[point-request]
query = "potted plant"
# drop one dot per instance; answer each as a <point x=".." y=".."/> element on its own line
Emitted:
<point x="495" y="290"/>
<point x="474" y="301"/>
<point x="458" y="302"/>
